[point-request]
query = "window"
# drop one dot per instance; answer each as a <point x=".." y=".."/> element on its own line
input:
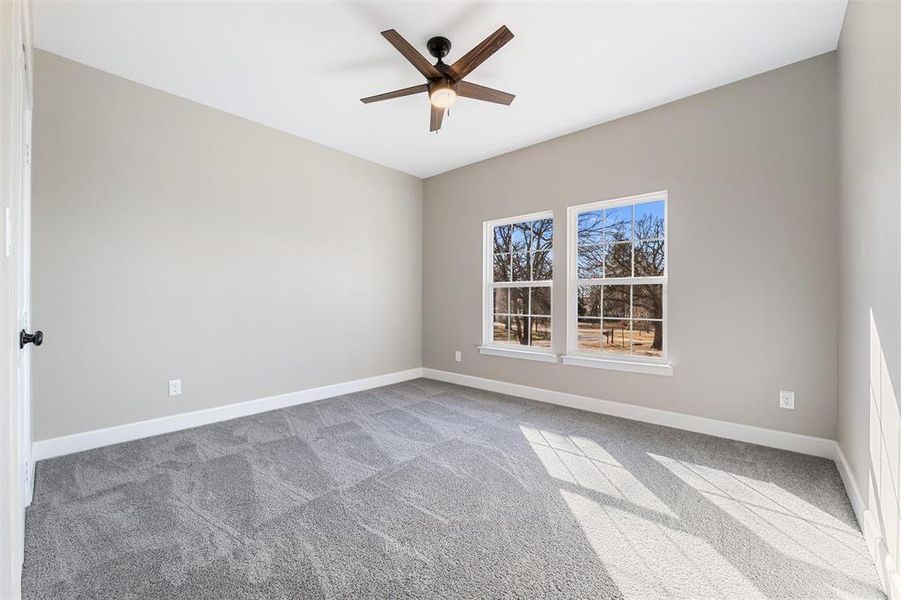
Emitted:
<point x="517" y="289"/>
<point x="617" y="279"/>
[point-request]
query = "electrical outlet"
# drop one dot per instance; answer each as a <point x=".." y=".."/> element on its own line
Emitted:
<point x="174" y="387"/>
<point x="458" y="356"/>
<point x="786" y="400"/>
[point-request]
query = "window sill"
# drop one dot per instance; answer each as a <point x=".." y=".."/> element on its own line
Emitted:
<point x="619" y="365"/>
<point x="522" y="354"/>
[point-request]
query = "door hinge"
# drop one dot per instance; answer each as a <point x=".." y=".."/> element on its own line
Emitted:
<point x="8" y="231"/>
<point x="28" y="154"/>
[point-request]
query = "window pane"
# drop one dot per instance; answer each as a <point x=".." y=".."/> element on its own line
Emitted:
<point x="501" y="300"/>
<point x="591" y="262"/>
<point x="519" y="329"/>
<point x="618" y="224"/>
<point x="649" y="221"/>
<point x="501" y="329"/>
<point x="590" y="300"/>
<point x="542" y="234"/>
<point x="647" y="301"/>
<point x="616" y="245"/>
<point x="521" y="235"/>
<point x="541" y="332"/>
<point x="616" y="301"/>
<point x="647" y="338"/>
<point x="590" y="227"/>
<point x="543" y="265"/>
<point x="589" y="334"/>
<point x="519" y="301"/>
<point x="649" y="259"/>
<point x="521" y="266"/>
<point x="502" y="235"/>
<point x="501" y="267"/>
<point x="618" y="260"/>
<point x="521" y="252"/>
<point x="541" y="301"/>
<point x="617" y="336"/>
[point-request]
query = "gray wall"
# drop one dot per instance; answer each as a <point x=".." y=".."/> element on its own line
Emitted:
<point x="175" y="241"/>
<point x="870" y="197"/>
<point x="751" y="173"/>
<point x="172" y="240"/>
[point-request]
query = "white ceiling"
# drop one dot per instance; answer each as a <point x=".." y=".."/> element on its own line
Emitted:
<point x="302" y="67"/>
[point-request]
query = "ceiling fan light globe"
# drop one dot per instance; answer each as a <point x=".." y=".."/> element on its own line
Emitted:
<point x="443" y="97"/>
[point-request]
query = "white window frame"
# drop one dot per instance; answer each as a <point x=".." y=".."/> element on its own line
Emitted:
<point x="489" y="285"/>
<point x="607" y="360"/>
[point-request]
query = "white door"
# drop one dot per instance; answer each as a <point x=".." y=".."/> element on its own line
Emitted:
<point x="15" y="208"/>
<point x="22" y="258"/>
<point x="24" y="264"/>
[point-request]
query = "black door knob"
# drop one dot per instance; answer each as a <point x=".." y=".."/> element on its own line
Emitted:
<point x="36" y="338"/>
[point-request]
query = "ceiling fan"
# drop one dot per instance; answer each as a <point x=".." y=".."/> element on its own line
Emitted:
<point x="445" y="82"/>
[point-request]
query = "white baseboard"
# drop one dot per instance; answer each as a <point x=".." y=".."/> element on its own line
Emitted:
<point x="854" y="495"/>
<point x="869" y="525"/>
<point x="133" y="431"/>
<point x="734" y="431"/>
<point x="122" y="433"/>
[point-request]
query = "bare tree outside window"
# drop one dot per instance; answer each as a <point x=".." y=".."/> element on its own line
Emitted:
<point x="520" y="286"/>
<point x="620" y="275"/>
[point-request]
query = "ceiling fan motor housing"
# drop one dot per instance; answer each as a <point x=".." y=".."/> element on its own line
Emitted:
<point x="439" y="47"/>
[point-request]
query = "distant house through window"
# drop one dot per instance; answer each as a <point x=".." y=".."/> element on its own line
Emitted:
<point x="617" y="278"/>
<point x="517" y="288"/>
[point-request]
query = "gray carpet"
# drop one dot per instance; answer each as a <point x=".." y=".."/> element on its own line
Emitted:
<point x="430" y="490"/>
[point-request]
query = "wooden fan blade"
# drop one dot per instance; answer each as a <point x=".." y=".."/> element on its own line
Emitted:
<point x="416" y="89"/>
<point x="422" y="65"/>
<point x="437" y="118"/>
<point x="480" y="92"/>
<point x="472" y="59"/>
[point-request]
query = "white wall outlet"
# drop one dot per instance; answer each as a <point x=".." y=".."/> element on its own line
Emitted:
<point x="458" y="356"/>
<point x="786" y="400"/>
<point x="175" y="387"/>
